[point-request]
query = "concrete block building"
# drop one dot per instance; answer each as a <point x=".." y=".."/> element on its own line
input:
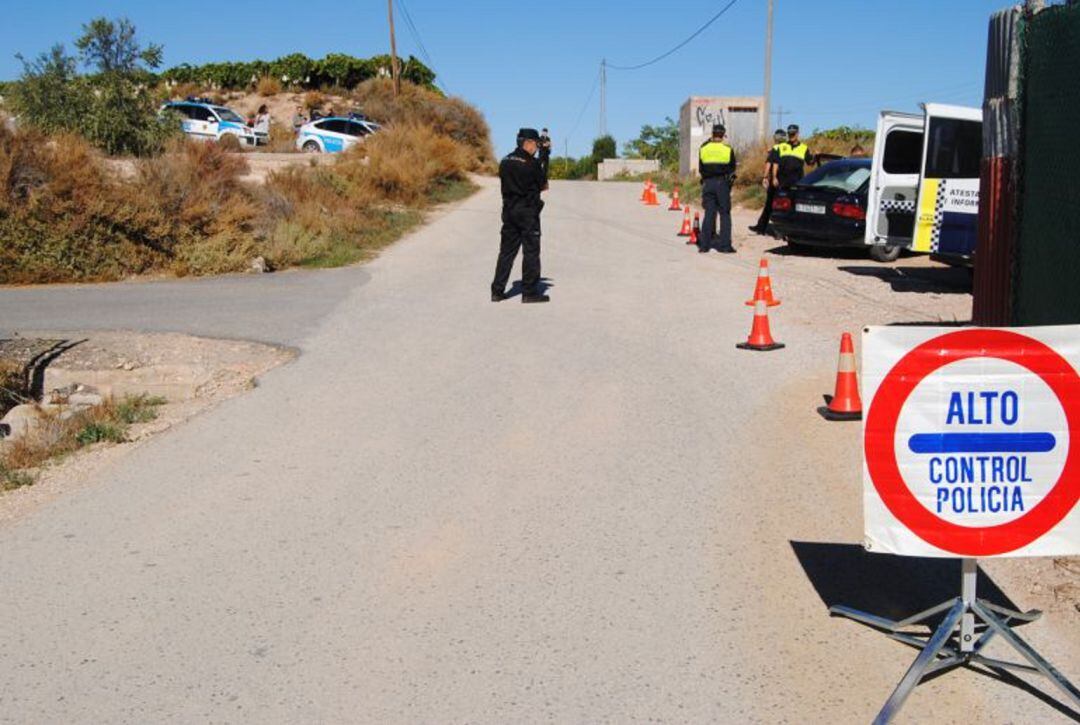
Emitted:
<point x="744" y="117"/>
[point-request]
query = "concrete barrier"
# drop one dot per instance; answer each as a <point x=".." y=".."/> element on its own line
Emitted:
<point x="610" y="168"/>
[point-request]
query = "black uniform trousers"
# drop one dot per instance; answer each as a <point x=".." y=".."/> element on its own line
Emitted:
<point x="716" y="198"/>
<point x="763" y="220"/>
<point x="520" y="230"/>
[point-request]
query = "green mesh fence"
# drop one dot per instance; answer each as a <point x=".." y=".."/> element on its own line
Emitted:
<point x="1048" y="269"/>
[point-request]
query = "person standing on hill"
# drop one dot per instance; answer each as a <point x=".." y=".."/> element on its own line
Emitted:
<point x="523" y="178"/>
<point x="262" y="124"/>
<point x="768" y="180"/>
<point x="716" y="163"/>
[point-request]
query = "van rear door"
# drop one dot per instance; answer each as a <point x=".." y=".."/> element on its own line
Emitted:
<point x="948" y="206"/>
<point x="894" y="181"/>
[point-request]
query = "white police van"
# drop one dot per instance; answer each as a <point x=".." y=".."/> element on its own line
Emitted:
<point x="334" y="134"/>
<point x="206" y="121"/>
<point x="924" y="187"/>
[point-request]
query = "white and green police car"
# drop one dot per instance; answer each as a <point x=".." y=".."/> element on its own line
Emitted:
<point x="206" y="121"/>
<point x="334" y="133"/>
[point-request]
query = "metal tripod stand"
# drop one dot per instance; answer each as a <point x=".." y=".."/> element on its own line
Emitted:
<point x="956" y="641"/>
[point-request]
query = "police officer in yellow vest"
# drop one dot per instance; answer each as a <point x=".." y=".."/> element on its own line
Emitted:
<point x="768" y="180"/>
<point x="716" y="164"/>
<point x="794" y="156"/>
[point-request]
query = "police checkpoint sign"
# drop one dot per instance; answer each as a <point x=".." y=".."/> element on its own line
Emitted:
<point x="971" y="441"/>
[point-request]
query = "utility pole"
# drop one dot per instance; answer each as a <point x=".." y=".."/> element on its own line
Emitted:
<point x="768" y="69"/>
<point x="603" y="97"/>
<point x="393" y="50"/>
<point x="780" y="113"/>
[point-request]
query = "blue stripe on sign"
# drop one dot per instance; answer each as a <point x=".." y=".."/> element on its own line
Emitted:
<point x="982" y="442"/>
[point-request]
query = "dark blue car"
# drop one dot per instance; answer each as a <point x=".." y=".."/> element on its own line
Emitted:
<point x="827" y="208"/>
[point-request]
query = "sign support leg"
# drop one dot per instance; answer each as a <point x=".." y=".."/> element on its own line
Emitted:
<point x="974" y="622"/>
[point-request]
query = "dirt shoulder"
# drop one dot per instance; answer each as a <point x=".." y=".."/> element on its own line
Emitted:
<point x="192" y="374"/>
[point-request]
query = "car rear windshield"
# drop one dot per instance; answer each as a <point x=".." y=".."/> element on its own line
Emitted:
<point x="842" y="175"/>
<point x="227" y="114"/>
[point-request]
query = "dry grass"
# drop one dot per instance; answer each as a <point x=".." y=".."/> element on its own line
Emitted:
<point x="450" y="117"/>
<point x="403" y="163"/>
<point x="59" y="436"/>
<point x="268" y="86"/>
<point x="65" y="216"/>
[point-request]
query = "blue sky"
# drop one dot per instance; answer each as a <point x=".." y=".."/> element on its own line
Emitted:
<point x="835" y="61"/>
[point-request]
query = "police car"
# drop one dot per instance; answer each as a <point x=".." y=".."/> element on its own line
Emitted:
<point x="334" y="134"/>
<point x="206" y="121"/>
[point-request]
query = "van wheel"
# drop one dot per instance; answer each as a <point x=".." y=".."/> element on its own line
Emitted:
<point x="885" y="252"/>
<point x="311" y="147"/>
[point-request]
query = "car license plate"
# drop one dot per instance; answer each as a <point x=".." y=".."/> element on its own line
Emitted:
<point x="810" y="208"/>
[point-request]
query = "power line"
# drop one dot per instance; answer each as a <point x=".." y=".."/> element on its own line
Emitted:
<point x="695" y="34"/>
<point x="415" y="33"/>
<point x="584" y="108"/>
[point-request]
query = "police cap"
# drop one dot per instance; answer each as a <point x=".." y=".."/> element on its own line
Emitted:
<point x="718" y="129"/>
<point x="528" y="134"/>
<point x="793" y="128"/>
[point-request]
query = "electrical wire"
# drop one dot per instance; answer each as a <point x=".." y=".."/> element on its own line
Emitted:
<point x="695" y="34"/>
<point x="420" y="43"/>
<point x="584" y="108"/>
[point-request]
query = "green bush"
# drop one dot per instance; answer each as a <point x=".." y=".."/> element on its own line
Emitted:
<point x="96" y="432"/>
<point x="336" y="70"/>
<point x="656" y="142"/>
<point x="603" y="148"/>
<point x="112" y="108"/>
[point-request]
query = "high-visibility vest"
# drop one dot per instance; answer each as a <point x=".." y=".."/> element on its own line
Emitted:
<point x="715" y="152"/>
<point x="799" y="151"/>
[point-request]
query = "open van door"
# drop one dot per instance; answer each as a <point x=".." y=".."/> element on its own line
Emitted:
<point x="948" y="207"/>
<point x="894" y="181"/>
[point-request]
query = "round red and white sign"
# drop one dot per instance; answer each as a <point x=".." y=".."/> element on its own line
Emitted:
<point x="967" y="441"/>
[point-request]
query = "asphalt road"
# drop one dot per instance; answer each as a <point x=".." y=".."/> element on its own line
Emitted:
<point x="449" y="510"/>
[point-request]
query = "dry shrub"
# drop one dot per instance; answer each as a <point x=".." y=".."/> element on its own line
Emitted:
<point x="191" y="202"/>
<point x="450" y="117"/>
<point x="61" y="214"/>
<point x="309" y="212"/>
<point x="268" y="86"/>
<point x="186" y="90"/>
<point x="403" y="164"/>
<point x="314" y="100"/>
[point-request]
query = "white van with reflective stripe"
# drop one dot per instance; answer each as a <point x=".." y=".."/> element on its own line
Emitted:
<point x="924" y="189"/>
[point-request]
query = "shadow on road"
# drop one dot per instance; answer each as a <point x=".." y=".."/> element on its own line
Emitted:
<point x="944" y="280"/>
<point x="889" y="586"/>
<point x="516" y="288"/>
<point x="786" y="250"/>
<point x="899" y="586"/>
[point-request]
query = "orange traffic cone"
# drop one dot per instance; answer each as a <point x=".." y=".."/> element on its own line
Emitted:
<point x="760" y="338"/>
<point x="645" y="191"/>
<point x="652" y="200"/>
<point x="675" y="205"/>
<point x="845" y="404"/>
<point x="763" y="290"/>
<point x="685" y="229"/>
<point x="695" y="230"/>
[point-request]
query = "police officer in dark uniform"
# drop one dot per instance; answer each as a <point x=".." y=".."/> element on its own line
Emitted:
<point x="523" y="178"/>
<point x="545" y="149"/>
<point x="716" y="164"/>
<point x="769" y="181"/>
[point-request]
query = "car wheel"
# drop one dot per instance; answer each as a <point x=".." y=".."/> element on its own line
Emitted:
<point x="885" y="252"/>
<point x="311" y="147"/>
